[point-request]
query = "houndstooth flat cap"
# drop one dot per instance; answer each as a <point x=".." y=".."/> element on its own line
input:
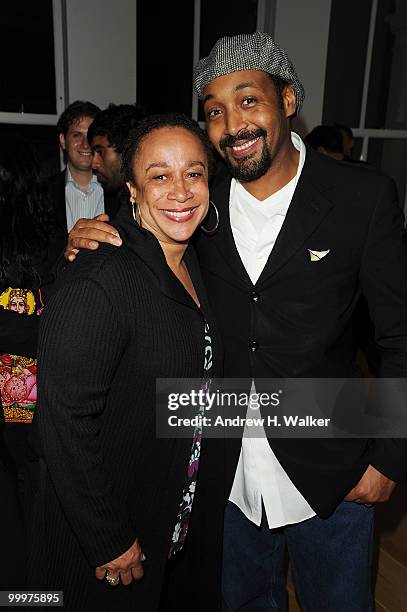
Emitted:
<point x="256" y="51"/>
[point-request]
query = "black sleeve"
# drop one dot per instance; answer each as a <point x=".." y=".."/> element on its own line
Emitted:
<point x="384" y="284"/>
<point x="80" y="347"/>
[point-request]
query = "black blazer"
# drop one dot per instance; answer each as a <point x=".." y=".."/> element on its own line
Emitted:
<point x="118" y="320"/>
<point x="296" y="320"/>
<point x="56" y="186"/>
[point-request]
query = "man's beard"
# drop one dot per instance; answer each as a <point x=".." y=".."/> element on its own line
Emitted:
<point x="246" y="170"/>
<point x="110" y="186"/>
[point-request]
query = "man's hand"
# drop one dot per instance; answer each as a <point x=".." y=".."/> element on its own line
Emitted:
<point x="88" y="233"/>
<point x="372" y="487"/>
<point x="127" y="567"/>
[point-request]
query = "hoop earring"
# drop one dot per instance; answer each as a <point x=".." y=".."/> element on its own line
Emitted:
<point x="135" y="210"/>
<point x="213" y="229"/>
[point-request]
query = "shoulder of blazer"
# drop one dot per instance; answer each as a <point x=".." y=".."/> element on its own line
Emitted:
<point x="321" y="169"/>
<point x="57" y="181"/>
<point x="329" y="177"/>
<point x="56" y="192"/>
<point x="112" y="203"/>
<point x="342" y="178"/>
<point x="56" y="188"/>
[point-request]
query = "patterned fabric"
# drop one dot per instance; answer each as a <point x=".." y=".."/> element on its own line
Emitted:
<point x="187" y="498"/>
<point x="256" y="51"/>
<point x="18" y="387"/>
<point x="18" y="374"/>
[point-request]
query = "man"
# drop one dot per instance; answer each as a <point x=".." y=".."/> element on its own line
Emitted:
<point x="76" y="192"/>
<point x="348" y="140"/>
<point x="299" y="238"/>
<point x="107" y="136"/>
<point x="326" y="139"/>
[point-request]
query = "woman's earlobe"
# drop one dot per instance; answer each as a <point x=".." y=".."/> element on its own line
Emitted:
<point x="133" y="192"/>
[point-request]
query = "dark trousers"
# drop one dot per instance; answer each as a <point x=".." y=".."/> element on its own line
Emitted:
<point x="330" y="560"/>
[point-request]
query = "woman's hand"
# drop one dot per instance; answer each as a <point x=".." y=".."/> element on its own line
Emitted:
<point x="127" y="567"/>
<point x="87" y="233"/>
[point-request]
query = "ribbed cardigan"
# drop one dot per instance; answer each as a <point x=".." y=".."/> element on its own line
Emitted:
<point x="118" y="320"/>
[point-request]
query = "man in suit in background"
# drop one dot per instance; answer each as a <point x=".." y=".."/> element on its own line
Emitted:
<point x="107" y="136"/>
<point x="75" y="191"/>
<point x="299" y="237"/>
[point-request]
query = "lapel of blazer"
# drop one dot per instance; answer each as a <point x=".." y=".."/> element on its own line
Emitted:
<point x="309" y="206"/>
<point x="58" y="194"/>
<point x="111" y="203"/>
<point x="223" y="239"/>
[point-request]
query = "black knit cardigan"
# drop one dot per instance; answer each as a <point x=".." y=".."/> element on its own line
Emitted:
<point x="118" y="320"/>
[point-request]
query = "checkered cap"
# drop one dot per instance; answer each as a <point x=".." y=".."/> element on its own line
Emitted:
<point x="256" y="51"/>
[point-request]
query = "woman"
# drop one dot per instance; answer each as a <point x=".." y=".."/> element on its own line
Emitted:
<point x="111" y="496"/>
<point x="29" y="245"/>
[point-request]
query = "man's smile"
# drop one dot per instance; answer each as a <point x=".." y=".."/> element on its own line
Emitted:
<point x="242" y="150"/>
<point x="242" y="144"/>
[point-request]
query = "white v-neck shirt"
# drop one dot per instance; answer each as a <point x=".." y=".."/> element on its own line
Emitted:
<point x="259" y="475"/>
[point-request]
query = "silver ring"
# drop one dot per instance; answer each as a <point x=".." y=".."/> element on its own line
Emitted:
<point x="112" y="581"/>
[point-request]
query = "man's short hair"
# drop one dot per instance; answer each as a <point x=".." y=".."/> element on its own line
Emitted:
<point x="327" y="136"/>
<point x="74" y="112"/>
<point x="115" y="122"/>
<point x="345" y="128"/>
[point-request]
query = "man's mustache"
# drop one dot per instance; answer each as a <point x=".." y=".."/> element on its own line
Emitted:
<point x="230" y="141"/>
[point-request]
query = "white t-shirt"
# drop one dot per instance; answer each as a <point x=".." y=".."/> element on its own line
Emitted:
<point x="259" y="475"/>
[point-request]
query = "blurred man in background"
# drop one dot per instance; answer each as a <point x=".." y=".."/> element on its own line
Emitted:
<point x="326" y="139"/>
<point x="106" y="136"/>
<point x="76" y="192"/>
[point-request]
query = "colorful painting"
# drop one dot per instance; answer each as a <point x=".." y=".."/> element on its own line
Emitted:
<point x="18" y="387"/>
<point x="18" y="300"/>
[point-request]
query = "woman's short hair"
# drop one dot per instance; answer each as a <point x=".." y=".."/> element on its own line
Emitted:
<point x="156" y="122"/>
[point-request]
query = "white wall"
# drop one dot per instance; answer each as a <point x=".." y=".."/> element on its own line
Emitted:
<point x="302" y="29"/>
<point x="101" y="51"/>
